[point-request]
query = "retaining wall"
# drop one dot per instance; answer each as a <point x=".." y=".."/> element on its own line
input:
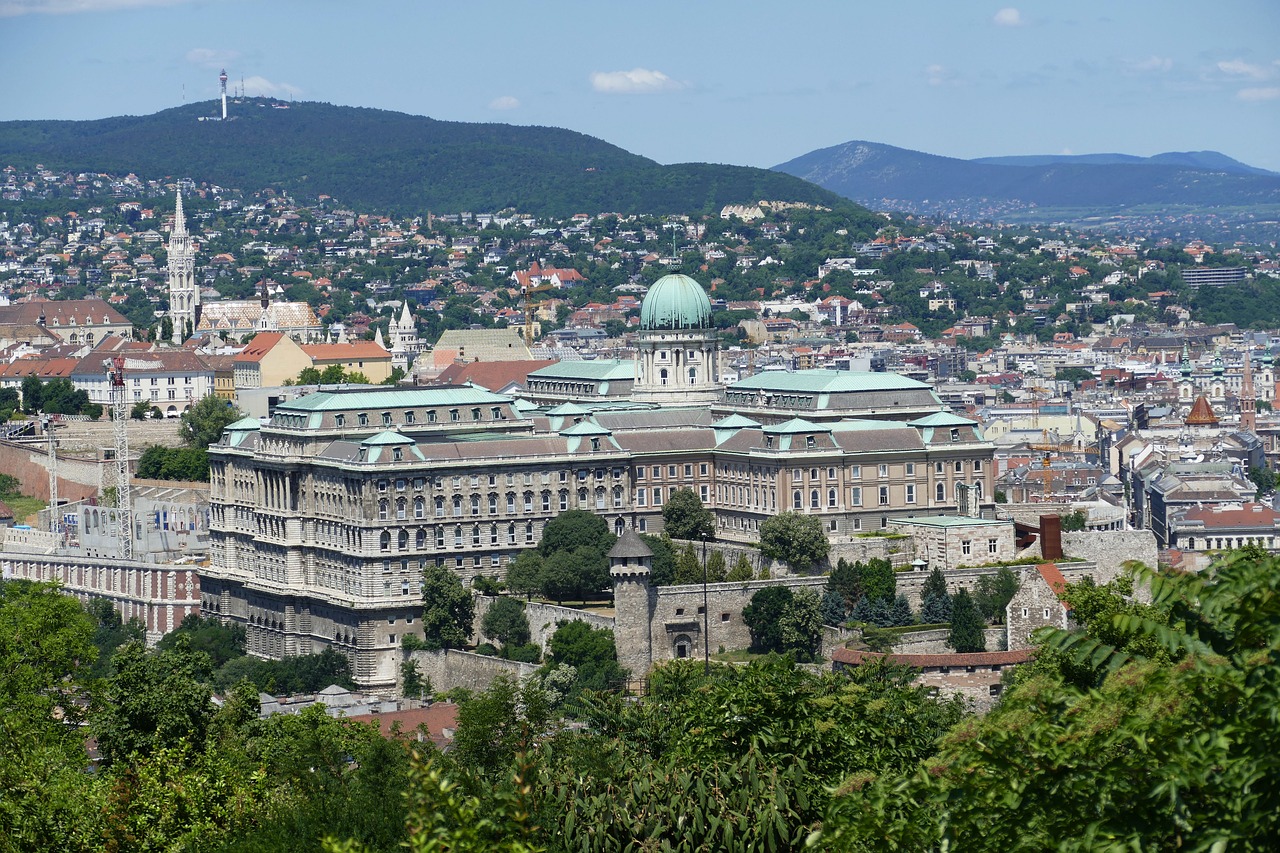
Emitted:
<point x="447" y="669"/>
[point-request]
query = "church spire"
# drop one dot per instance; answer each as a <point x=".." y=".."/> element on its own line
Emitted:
<point x="1248" y="401"/>
<point x="179" y="219"/>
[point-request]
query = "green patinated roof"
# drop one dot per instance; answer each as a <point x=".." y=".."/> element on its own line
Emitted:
<point x="586" y="428"/>
<point x="735" y="421"/>
<point x="863" y="424"/>
<point x="946" y="521"/>
<point x="941" y="419"/>
<point x="595" y="370"/>
<point x="820" y="381"/>
<point x="796" y="426"/>
<point x="568" y="409"/>
<point x="336" y="401"/>
<point x="244" y="424"/>
<point x="386" y="438"/>
<point x="675" y="301"/>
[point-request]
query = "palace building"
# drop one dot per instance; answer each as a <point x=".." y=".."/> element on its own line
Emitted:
<point x="322" y="519"/>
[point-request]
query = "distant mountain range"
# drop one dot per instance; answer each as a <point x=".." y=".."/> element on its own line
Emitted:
<point x="885" y="177"/>
<point x="380" y="160"/>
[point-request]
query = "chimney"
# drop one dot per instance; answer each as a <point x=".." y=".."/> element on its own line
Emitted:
<point x="1051" y="537"/>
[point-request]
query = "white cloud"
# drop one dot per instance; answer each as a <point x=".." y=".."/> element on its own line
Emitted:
<point x="261" y="87"/>
<point x="635" y="81"/>
<point x="1240" y="68"/>
<point x="1008" y="17"/>
<point x="13" y="8"/>
<point x="505" y="102"/>
<point x="1152" y="63"/>
<point x="207" y="57"/>
<point x="1259" y="93"/>
<point x="939" y="75"/>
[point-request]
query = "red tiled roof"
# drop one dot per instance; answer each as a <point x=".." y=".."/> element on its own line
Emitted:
<point x="436" y="717"/>
<point x="490" y="374"/>
<point x="1248" y="515"/>
<point x="855" y="657"/>
<point x="345" y="352"/>
<point x="1053" y="577"/>
<point x="257" y="349"/>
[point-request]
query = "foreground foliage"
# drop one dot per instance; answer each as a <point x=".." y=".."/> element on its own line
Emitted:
<point x="1158" y="730"/>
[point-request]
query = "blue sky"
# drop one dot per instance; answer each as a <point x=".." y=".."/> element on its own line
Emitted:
<point x="743" y="82"/>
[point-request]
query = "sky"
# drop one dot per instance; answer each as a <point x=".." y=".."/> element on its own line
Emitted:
<point x="727" y="81"/>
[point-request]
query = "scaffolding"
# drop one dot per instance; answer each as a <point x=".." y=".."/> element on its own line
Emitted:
<point x="120" y="422"/>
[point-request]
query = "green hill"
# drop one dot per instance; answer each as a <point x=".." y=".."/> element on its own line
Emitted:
<point x="376" y="159"/>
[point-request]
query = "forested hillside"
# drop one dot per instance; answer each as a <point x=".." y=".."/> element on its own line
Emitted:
<point x="394" y="162"/>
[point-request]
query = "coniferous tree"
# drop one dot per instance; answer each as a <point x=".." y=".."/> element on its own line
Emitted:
<point x="966" y="625"/>
<point x="901" y="612"/>
<point x="741" y="570"/>
<point x="833" y="610"/>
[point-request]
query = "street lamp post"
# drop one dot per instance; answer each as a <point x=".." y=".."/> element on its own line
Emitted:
<point x="706" y="613"/>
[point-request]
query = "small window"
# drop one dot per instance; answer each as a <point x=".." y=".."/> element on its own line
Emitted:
<point x="363" y="419"/>
<point x="724" y="617"/>
<point x="679" y="611"/>
<point x="955" y="435"/>
<point x="1046" y="613"/>
<point x="386" y="419"/>
<point x="1025" y="612"/>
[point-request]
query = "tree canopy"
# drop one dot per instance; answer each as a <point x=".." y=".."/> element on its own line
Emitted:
<point x="796" y="539"/>
<point x="684" y="516"/>
<point x="202" y="424"/>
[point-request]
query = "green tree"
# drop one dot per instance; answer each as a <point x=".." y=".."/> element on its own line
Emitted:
<point x="688" y="569"/>
<point x="717" y="571"/>
<point x="579" y="573"/>
<point x="935" y="601"/>
<point x="763" y="617"/>
<point x="741" y="570"/>
<point x="1263" y="478"/>
<point x="662" y="568"/>
<point x="576" y="528"/>
<point x="966" y="624"/>
<point x="879" y="581"/>
<point x="993" y="593"/>
<point x="208" y="635"/>
<point x="308" y="376"/>
<point x="590" y="651"/>
<point x="202" y="424"/>
<point x="846" y="580"/>
<point x="448" y="609"/>
<point x="157" y="700"/>
<point x="32" y="394"/>
<point x="800" y="626"/>
<point x="833" y="609"/>
<point x="684" y="516"/>
<point x="140" y="410"/>
<point x="1166" y="751"/>
<point x="795" y="539"/>
<point x="1074" y="522"/>
<point x="506" y="622"/>
<point x="524" y="573"/>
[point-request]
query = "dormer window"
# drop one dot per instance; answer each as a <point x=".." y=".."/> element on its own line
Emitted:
<point x="810" y="442"/>
<point x="363" y="418"/>
<point x="595" y="444"/>
<point x="386" y="419"/>
<point x="955" y="434"/>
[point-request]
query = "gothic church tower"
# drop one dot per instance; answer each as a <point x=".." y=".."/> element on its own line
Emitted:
<point x="184" y="295"/>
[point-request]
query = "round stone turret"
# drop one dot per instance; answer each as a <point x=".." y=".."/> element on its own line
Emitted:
<point x="630" y="557"/>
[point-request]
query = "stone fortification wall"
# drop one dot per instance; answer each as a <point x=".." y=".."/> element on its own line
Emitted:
<point x="543" y="619"/>
<point x="1110" y="550"/>
<point x="447" y="669"/>
<point x="934" y="642"/>
<point x="77" y="478"/>
<point x="87" y="437"/>
<point x="910" y="583"/>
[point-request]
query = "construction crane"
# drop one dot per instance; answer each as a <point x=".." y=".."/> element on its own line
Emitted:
<point x="47" y="423"/>
<point x="527" y="293"/>
<point x="120" y="422"/>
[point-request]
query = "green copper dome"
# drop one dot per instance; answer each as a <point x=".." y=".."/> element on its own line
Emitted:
<point x="675" y="302"/>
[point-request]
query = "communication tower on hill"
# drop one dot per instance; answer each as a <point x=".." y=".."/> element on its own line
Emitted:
<point x="222" y="80"/>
